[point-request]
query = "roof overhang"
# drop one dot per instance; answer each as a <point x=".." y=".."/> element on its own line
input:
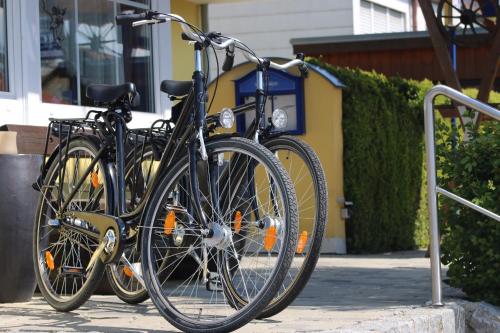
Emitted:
<point x="365" y="42"/>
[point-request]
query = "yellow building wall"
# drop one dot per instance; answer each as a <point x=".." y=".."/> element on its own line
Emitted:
<point x="182" y="53"/>
<point x="323" y="120"/>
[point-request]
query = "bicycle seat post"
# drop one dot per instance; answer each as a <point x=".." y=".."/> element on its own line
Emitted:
<point x="120" y="164"/>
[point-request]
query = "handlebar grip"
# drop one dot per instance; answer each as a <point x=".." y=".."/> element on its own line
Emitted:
<point x="228" y="62"/>
<point x="124" y="19"/>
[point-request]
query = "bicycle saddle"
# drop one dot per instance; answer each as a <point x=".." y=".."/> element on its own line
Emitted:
<point x="105" y="93"/>
<point x="176" y="88"/>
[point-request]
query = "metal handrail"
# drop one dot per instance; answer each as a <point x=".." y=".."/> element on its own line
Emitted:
<point x="432" y="188"/>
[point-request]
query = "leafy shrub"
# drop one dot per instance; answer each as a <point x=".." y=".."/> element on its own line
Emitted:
<point x="383" y="150"/>
<point x="471" y="241"/>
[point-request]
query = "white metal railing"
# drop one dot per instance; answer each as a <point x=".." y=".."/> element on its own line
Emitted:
<point x="432" y="188"/>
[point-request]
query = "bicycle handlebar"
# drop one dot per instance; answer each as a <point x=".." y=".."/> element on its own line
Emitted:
<point x="152" y="17"/>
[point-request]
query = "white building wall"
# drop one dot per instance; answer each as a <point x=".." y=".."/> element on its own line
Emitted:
<point x="267" y="26"/>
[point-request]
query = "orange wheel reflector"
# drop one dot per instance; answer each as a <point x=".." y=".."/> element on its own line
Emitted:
<point x="49" y="260"/>
<point x="94" y="179"/>
<point x="270" y="238"/>
<point x="169" y="224"/>
<point x="237" y="222"/>
<point x="301" y="245"/>
<point x="128" y="272"/>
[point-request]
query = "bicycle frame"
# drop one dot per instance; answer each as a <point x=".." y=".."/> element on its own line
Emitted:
<point x="184" y="134"/>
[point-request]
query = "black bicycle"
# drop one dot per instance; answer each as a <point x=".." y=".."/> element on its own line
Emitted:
<point x="199" y="205"/>
<point x="304" y="168"/>
<point x="298" y="158"/>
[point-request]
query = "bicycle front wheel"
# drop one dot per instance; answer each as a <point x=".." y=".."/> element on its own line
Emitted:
<point x="242" y="263"/>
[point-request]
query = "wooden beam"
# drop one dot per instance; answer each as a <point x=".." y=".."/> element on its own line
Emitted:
<point x="489" y="74"/>
<point x="490" y="70"/>
<point x="440" y="45"/>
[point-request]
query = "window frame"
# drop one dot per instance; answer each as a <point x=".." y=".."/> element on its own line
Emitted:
<point x="37" y="112"/>
<point x="12" y="52"/>
<point x="77" y="50"/>
<point x="387" y="14"/>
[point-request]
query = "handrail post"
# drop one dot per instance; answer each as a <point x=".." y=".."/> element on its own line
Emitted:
<point x="432" y="189"/>
<point x="432" y="199"/>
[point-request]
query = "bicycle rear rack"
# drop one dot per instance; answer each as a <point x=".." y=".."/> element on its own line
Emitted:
<point x="433" y="189"/>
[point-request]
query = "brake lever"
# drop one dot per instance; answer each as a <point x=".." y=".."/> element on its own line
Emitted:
<point x="304" y="70"/>
<point x="215" y="36"/>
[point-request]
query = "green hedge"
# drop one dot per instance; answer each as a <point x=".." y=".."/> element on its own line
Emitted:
<point x="383" y="151"/>
<point x="471" y="241"/>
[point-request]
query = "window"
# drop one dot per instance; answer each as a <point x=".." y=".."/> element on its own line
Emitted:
<point x="285" y="92"/>
<point x="4" y="65"/>
<point x="375" y="18"/>
<point x="80" y="44"/>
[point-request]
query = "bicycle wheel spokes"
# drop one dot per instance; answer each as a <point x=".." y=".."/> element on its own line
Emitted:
<point x="208" y="280"/>
<point x="307" y="203"/>
<point x="138" y="175"/>
<point x="63" y="252"/>
<point x="304" y="168"/>
<point x="139" y="172"/>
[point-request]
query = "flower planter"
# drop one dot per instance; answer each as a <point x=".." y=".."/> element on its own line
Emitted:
<point x="18" y="202"/>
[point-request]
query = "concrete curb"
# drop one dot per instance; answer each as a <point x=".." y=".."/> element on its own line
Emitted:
<point x="481" y="317"/>
<point x="447" y="319"/>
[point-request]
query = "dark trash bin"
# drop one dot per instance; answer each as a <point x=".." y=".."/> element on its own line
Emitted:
<point x="18" y="202"/>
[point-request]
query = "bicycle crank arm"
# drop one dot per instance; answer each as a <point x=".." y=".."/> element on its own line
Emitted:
<point x="111" y="238"/>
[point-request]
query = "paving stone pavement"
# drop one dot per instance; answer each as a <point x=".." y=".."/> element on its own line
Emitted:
<point x="345" y="294"/>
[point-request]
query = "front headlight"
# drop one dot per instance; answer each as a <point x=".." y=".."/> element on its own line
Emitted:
<point x="280" y="118"/>
<point x="226" y="118"/>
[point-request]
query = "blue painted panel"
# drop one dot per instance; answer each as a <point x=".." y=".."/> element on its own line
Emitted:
<point x="279" y="83"/>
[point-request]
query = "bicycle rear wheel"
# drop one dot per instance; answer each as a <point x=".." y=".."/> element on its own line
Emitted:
<point x="140" y="170"/>
<point x="243" y="264"/>
<point x="305" y="170"/>
<point x="61" y="254"/>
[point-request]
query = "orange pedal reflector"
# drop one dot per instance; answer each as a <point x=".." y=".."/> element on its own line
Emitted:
<point x="237" y="222"/>
<point x="270" y="238"/>
<point x="94" y="179"/>
<point x="128" y="272"/>
<point x="301" y="245"/>
<point x="49" y="260"/>
<point x="169" y="224"/>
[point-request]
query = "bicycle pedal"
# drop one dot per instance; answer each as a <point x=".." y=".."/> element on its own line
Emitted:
<point x="213" y="282"/>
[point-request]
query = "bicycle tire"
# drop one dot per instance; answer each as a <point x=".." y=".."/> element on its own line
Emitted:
<point x="88" y="287"/>
<point x="252" y="309"/>
<point x="310" y="158"/>
<point x="127" y="288"/>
